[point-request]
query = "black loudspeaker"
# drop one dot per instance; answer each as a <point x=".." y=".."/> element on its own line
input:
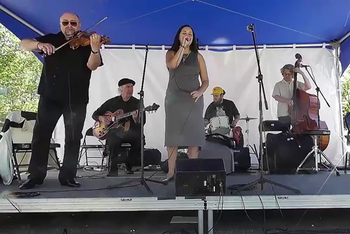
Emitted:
<point x="200" y="177"/>
<point x="284" y="152"/>
<point x="242" y="159"/>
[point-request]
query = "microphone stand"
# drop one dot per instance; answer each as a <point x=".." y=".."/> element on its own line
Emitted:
<point x="318" y="91"/>
<point x="262" y="180"/>
<point x="141" y="120"/>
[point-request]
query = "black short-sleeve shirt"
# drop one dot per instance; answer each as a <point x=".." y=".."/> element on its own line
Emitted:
<point x="227" y="105"/>
<point x="65" y="76"/>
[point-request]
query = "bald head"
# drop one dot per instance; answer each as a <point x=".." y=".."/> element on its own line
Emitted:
<point x="69" y="15"/>
<point x="70" y="24"/>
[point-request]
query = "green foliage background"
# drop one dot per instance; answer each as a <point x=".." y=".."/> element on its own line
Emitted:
<point x="346" y="92"/>
<point x="19" y="72"/>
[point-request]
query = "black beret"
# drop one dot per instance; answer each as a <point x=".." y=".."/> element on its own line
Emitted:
<point x="125" y="81"/>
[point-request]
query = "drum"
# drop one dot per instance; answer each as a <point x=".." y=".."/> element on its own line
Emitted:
<point x="238" y="136"/>
<point x="220" y="125"/>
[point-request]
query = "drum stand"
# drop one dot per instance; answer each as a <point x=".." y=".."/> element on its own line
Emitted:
<point x="247" y="119"/>
<point x="317" y="152"/>
<point x="247" y="131"/>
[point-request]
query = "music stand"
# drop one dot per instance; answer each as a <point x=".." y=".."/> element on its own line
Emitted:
<point x="262" y="180"/>
<point x="140" y="118"/>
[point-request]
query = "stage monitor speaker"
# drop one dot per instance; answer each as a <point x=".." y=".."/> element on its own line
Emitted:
<point x="200" y="177"/>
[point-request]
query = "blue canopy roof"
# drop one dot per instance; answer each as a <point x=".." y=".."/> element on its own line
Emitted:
<point x="216" y="22"/>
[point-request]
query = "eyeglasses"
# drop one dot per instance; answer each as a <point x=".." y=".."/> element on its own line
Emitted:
<point x="73" y="23"/>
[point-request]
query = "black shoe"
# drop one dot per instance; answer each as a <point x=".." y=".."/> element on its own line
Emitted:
<point x="128" y="171"/>
<point x="113" y="173"/>
<point x="69" y="182"/>
<point x="30" y="183"/>
<point x="128" y="168"/>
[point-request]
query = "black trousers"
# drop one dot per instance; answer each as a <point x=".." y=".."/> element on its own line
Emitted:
<point x="115" y="140"/>
<point x="49" y="112"/>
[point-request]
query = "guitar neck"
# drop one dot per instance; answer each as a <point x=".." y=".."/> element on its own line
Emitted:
<point x="125" y="115"/>
<point x="119" y="117"/>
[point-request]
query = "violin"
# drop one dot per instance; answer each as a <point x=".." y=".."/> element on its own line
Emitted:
<point x="83" y="39"/>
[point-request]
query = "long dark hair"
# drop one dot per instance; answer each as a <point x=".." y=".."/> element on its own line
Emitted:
<point x="176" y="44"/>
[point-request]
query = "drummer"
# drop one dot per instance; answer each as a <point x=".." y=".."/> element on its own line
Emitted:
<point x="221" y="107"/>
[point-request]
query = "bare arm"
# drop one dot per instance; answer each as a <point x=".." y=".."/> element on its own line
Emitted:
<point x="173" y="59"/>
<point x="203" y="73"/>
<point x="281" y="99"/>
<point x="235" y="121"/>
<point x="34" y="45"/>
<point x="94" y="61"/>
<point x="307" y="84"/>
<point x="29" y="44"/>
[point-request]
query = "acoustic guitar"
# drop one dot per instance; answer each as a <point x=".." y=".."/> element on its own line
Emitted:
<point x="100" y="130"/>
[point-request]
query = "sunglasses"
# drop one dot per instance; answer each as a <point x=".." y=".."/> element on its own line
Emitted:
<point x="73" y="23"/>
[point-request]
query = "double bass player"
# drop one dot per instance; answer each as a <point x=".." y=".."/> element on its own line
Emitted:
<point x="283" y="91"/>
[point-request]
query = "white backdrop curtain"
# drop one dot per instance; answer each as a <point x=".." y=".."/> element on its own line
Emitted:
<point x="234" y="70"/>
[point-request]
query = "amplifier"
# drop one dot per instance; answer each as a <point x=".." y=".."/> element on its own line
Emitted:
<point x="200" y="177"/>
<point x="274" y="125"/>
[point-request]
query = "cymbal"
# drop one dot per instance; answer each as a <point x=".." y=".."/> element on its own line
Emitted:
<point x="246" y="118"/>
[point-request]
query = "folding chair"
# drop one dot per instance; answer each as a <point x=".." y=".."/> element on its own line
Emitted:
<point x="21" y="124"/>
<point x="85" y="147"/>
<point x="26" y="148"/>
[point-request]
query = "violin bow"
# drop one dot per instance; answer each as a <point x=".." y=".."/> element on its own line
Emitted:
<point x="67" y="42"/>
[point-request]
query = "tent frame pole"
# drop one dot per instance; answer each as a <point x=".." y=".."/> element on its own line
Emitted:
<point x="346" y="36"/>
<point x="19" y="19"/>
<point x="338" y="70"/>
<point x="226" y="47"/>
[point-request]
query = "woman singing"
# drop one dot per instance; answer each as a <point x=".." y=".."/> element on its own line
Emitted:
<point x="184" y="101"/>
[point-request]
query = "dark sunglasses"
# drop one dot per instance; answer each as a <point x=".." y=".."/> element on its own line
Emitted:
<point x="73" y="23"/>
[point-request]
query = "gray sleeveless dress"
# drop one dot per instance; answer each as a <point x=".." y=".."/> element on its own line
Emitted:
<point x="184" y="123"/>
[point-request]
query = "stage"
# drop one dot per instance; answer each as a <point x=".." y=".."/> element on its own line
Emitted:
<point x="99" y="193"/>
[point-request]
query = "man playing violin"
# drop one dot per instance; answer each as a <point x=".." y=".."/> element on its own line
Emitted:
<point x="64" y="90"/>
<point x="283" y="91"/>
<point x="122" y="104"/>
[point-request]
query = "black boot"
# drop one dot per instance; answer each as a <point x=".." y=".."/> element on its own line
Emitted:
<point x="128" y="168"/>
<point x="113" y="172"/>
<point x="31" y="183"/>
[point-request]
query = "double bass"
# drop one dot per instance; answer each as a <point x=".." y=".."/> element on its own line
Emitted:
<point x="305" y="111"/>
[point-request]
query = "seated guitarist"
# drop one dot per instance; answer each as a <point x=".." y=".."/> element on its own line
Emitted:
<point x="122" y="104"/>
<point x="283" y="91"/>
